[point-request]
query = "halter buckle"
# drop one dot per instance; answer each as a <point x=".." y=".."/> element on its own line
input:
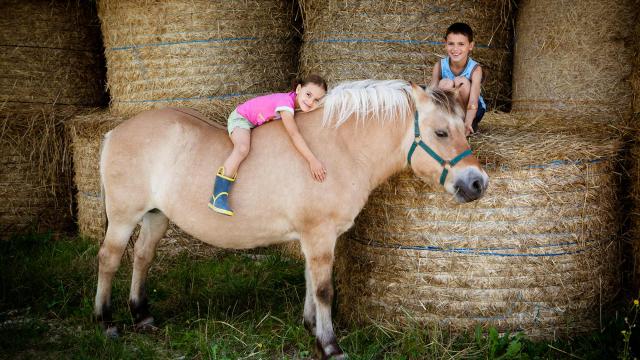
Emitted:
<point x="446" y="165"/>
<point x="417" y="139"/>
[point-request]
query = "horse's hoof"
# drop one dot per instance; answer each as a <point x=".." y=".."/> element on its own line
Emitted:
<point x="146" y="324"/>
<point x="111" y="332"/>
<point x="330" y="351"/>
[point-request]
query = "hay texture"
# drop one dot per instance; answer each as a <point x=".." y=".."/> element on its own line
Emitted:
<point x="574" y="58"/>
<point x="87" y="132"/>
<point x="537" y="254"/>
<point x="50" y="52"/>
<point x="188" y="52"/>
<point x="51" y="70"/>
<point x="35" y="180"/>
<point x="351" y="40"/>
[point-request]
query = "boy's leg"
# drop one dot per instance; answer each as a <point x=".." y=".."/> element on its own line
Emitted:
<point x="446" y="84"/>
<point x="463" y="85"/>
<point x="241" y="139"/>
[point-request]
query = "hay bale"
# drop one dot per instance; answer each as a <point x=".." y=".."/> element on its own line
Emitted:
<point x="537" y="254"/>
<point x="50" y="52"/>
<point x="350" y="40"/>
<point x="87" y="132"/>
<point x="52" y="70"/>
<point x="186" y="52"/>
<point x="573" y="58"/>
<point x="35" y="178"/>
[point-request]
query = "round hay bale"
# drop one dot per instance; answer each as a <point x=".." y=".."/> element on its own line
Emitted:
<point x="35" y="180"/>
<point x="573" y="58"/>
<point x="351" y="40"/>
<point x="87" y="132"/>
<point x="185" y="52"/>
<point x="50" y="52"/>
<point x="537" y="254"/>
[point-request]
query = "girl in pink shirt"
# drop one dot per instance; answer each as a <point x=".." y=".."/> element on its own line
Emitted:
<point x="257" y="111"/>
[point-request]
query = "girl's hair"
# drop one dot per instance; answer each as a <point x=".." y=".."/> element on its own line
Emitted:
<point x="311" y="78"/>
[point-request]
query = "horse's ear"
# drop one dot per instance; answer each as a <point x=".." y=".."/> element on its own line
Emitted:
<point x="419" y="93"/>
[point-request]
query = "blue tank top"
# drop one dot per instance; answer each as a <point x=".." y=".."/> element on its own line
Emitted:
<point x="446" y="73"/>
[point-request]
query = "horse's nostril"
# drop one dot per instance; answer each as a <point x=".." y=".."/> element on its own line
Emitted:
<point x="477" y="186"/>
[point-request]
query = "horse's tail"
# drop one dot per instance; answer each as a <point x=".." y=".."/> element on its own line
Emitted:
<point x="103" y="145"/>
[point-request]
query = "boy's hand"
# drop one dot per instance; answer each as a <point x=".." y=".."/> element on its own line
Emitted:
<point x="468" y="129"/>
<point x="318" y="171"/>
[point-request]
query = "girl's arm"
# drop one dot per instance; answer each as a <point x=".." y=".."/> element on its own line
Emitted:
<point x="435" y="75"/>
<point x="318" y="171"/>
<point x="474" y="94"/>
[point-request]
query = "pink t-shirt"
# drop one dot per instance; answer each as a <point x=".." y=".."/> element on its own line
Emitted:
<point x="267" y="107"/>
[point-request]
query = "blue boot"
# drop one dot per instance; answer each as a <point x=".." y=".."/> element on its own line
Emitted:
<point x="219" y="202"/>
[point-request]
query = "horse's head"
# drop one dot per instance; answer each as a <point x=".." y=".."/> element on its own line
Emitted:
<point x="439" y="151"/>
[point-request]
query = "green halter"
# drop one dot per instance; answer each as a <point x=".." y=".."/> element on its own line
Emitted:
<point x="446" y="165"/>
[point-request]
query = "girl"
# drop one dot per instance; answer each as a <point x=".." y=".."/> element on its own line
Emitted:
<point x="255" y="112"/>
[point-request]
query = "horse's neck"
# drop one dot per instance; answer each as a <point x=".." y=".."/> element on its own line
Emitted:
<point x="376" y="149"/>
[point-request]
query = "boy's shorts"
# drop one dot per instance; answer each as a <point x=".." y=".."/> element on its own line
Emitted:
<point x="478" y="118"/>
<point x="236" y="120"/>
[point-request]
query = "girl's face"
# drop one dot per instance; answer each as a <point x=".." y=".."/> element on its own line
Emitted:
<point x="458" y="47"/>
<point x="308" y="96"/>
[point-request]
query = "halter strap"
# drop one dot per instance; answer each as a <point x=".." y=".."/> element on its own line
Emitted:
<point x="446" y="164"/>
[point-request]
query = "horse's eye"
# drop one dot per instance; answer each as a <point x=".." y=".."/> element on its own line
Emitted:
<point x="441" y="133"/>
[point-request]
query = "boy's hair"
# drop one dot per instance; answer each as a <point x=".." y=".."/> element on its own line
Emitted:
<point x="460" y="28"/>
<point x="311" y="78"/>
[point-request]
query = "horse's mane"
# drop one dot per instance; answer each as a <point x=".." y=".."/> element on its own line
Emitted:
<point x="380" y="99"/>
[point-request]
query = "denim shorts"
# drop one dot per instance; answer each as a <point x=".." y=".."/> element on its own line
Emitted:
<point x="478" y="118"/>
<point x="236" y="120"/>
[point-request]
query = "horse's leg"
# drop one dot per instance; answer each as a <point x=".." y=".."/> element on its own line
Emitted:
<point x="154" y="226"/>
<point x="309" y="314"/>
<point x="109" y="257"/>
<point x="318" y="247"/>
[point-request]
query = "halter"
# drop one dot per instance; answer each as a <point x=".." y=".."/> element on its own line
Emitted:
<point x="446" y="164"/>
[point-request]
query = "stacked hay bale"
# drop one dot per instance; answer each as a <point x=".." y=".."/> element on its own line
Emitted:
<point x="574" y="58"/>
<point x="209" y="55"/>
<point x="352" y="40"/>
<point x="537" y="254"/>
<point x="52" y="69"/>
<point x="634" y="163"/>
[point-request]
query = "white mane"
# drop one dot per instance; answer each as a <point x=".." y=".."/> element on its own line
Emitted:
<point x="380" y="99"/>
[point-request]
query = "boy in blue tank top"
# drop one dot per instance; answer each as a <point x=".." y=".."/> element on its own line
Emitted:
<point x="457" y="70"/>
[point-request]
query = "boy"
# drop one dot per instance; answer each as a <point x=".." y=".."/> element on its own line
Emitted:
<point x="461" y="72"/>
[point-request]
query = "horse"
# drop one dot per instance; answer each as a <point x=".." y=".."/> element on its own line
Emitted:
<point x="160" y="166"/>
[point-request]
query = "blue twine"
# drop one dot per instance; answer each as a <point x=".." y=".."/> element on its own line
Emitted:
<point x="130" y="47"/>
<point x="184" y="99"/>
<point x="474" y="251"/>
<point x="396" y="41"/>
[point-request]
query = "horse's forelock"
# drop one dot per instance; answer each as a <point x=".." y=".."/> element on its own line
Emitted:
<point x="445" y="100"/>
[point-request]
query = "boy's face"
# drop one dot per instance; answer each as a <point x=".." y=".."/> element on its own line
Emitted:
<point x="458" y="47"/>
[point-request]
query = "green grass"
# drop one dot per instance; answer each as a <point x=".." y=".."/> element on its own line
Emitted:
<point x="229" y="306"/>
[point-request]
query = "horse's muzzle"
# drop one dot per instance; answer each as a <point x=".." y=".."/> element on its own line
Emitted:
<point x="471" y="186"/>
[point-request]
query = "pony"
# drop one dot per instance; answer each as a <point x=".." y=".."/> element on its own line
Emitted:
<point x="157" y="166"/>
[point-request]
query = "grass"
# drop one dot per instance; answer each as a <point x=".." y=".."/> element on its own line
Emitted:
<point x="229" y="306"/>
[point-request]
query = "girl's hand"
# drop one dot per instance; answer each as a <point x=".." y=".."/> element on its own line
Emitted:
<point x="318" y="171"/>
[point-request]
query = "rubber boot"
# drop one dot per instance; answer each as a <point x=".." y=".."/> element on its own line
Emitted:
<point x="219" y="202"/>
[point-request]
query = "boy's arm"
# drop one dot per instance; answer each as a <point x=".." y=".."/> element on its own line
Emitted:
<point x="435" y="75"/>
<point x="474" y="94"/>
<point x="317" y="169"/>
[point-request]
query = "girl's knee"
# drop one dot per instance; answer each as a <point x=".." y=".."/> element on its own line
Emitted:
<point x="242" y="149"/>
<point x="445" y="84"/>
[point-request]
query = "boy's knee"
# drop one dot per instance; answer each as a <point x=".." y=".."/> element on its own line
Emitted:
<point x="462" y="82"/>
<point x="445" y="84"/>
